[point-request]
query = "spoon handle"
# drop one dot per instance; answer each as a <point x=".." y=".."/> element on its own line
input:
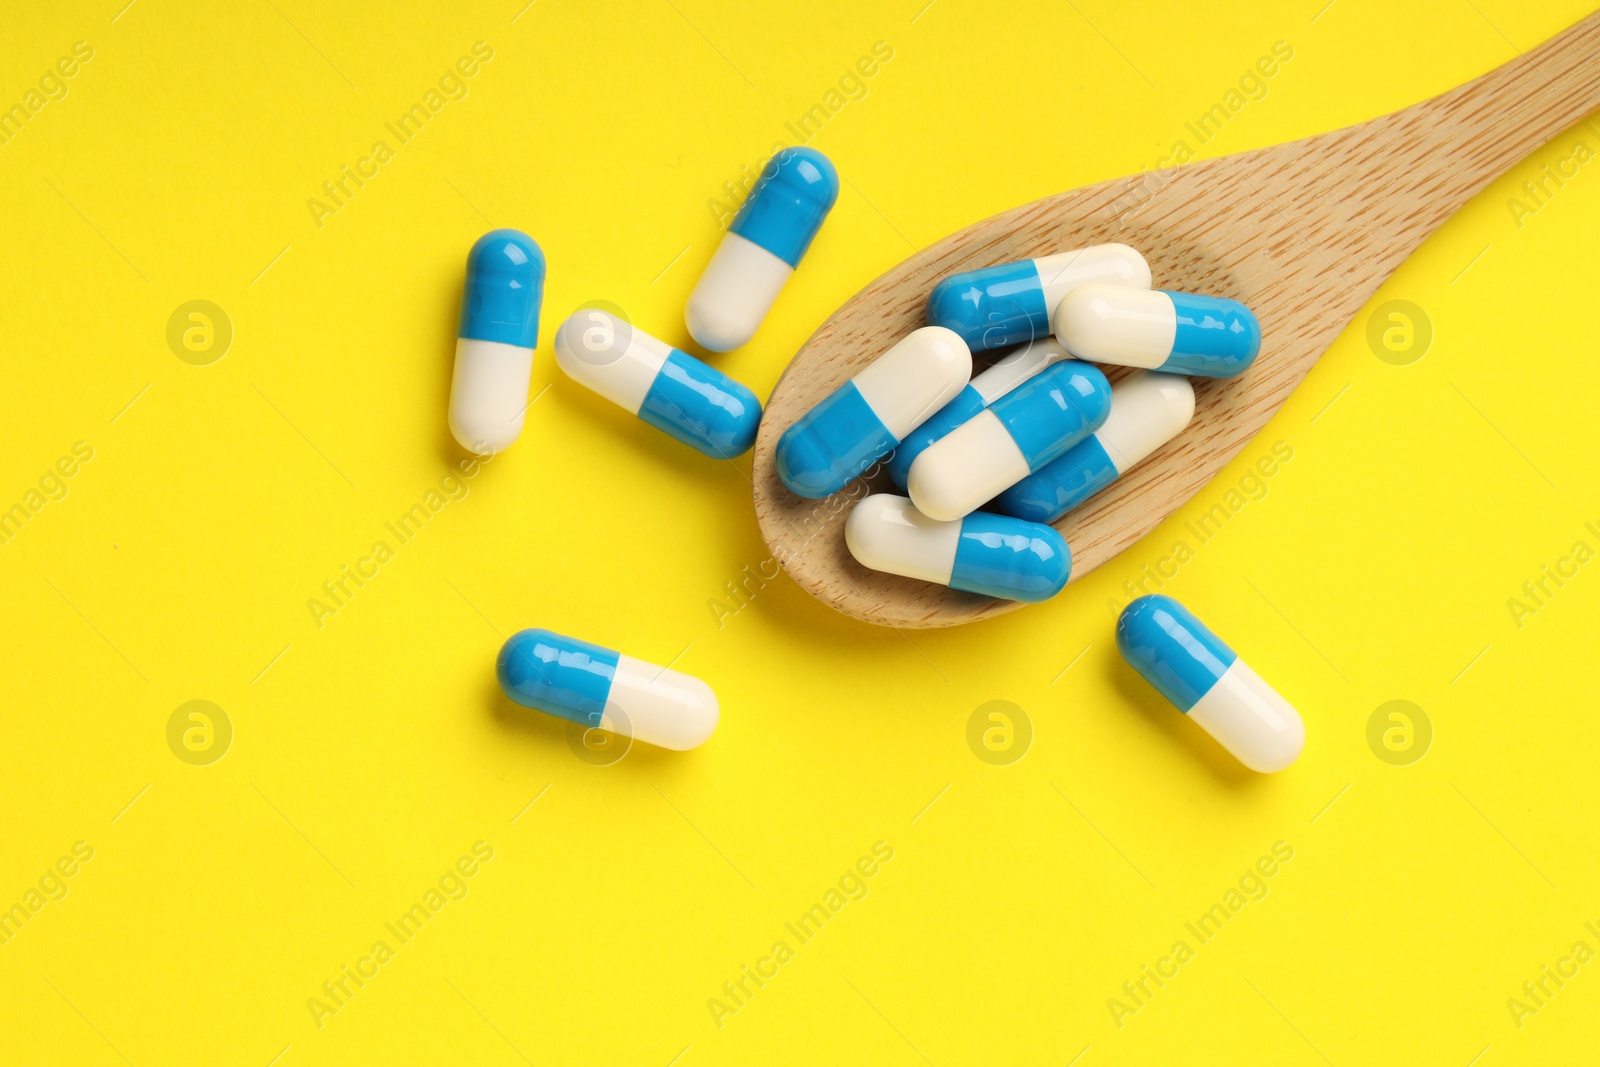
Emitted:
<point x="1492" y="122"/>
<point x="1429" y="159"/>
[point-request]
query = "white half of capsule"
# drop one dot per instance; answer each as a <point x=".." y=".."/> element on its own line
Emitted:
<point x="600" y="351"/>
<point x="967" y="467"/>
<point x="1147" y="411"/>
<point x="1124" y="327"/>
<point x="1017" y="367"/>
<point x="734" y="294"/>
<point x="488" y="394"/>
<point x="885" y="533"/>
<point x="659" y="706"/>
<point x="1251" y="720"/>
<point x="921" y="374"/>
<point x="1107" y="264"/>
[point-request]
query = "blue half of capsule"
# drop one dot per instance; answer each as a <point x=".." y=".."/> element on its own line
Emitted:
<point x="1050" y="412"/>
<point x="796" y="190"/>
<point x="505" y="285"/>
<point x="1215" y="337"/>
<point x="967" y="403"/>
<point x="992" y="307"/>
<point x="1163" y="641"/>
<point x="702" y="407"/>
<point x="558" y="675"/>
<point x="832" y="444"/>
<point x="1060" y="485"/>
<point x="1003" y="557"/>
<point x="1013" y="302"/>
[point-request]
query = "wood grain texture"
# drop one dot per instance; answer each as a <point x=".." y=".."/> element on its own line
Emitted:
<point x="1303" y="233"/>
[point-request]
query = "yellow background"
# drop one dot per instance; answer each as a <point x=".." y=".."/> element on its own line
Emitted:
<point x="372" y="752"/>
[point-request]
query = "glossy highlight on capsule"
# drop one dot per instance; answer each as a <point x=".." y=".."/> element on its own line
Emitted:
<point x="1148" y="409"/>
<point x="993" y="555"/>
<point x="495" y="342"/>
<point x="1013" y="302"/>
<point x="1009" y="440"/>
<point x="985" y="388"/>
<point x="1181" y="333"/>
<point x="669" y="389"/>
<point x="602" y="689"/>
<point x="762" y="248"/>
<point x="860" y="422"/>
<point x="1207" y="681"/>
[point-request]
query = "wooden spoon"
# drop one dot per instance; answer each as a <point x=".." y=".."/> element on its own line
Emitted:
<point x="1303" y="233"/>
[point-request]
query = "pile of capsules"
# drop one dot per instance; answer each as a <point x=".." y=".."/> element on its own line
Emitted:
<point x="1027" y="439"/>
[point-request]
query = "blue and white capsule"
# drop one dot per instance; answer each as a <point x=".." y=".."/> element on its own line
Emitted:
<point x="985" y="388"/>
<point x="494" y="346"/>
<point x="762" y="248"/>
<point x="602" y="689"/>
<point x="1013" y="302"/>
<point x="1147" y="411"/>
<point x="1207" y="681"/>
<point x="1181" y="333"/>
<point x="671" y="390"/>
<point x="993" y="555"/>
<point x="862" y="421"/>
<point x="1009" y="440"/>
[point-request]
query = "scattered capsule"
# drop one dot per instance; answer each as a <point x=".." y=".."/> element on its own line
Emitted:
<point x="994" y="555"/>
<point x="1009" y="440"/>
<point x="1208" y="336"/>
<point x="494" y="346"/>
<point x="1013" y="302"/>
<point x="1207" y="681"/>
<point x="671" y="390"/>
<point x="984" y="389"/>
<point x="861" y="421"/>
<point x="1148" y="409"/>
<point x="599" y="688"/>
<point x="762" y="248"/>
